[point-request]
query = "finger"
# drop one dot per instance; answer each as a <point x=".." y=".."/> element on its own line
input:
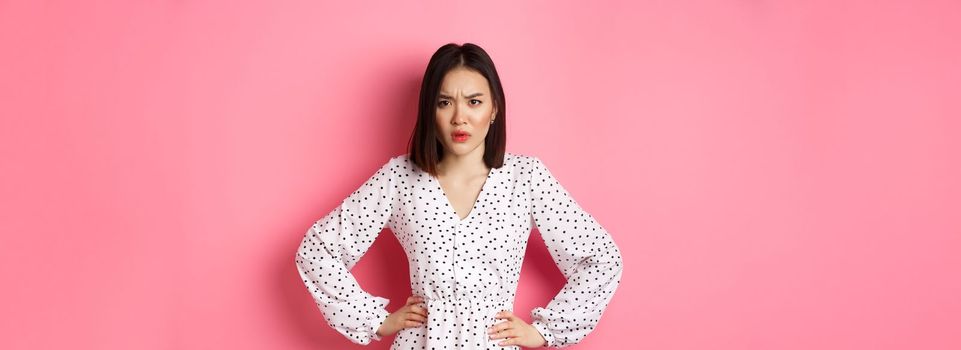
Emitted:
<point x="415" y="316"/>
<point x="414" y="299"/>
<point x="507" y="333"/>
<point x="507" y="315"/>
<point x="506" y="342"/>
<point x="410" y="323"/>
<point x="499" y="327"/>
<point x="418" y="310"/>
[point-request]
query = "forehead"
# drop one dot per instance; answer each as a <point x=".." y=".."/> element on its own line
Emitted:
<point x="464" y="80"/>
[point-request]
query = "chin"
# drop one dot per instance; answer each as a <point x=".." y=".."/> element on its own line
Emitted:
<point x="461" y="149"/>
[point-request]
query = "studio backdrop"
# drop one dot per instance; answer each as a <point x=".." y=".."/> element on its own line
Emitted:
<point x="777" y="174"/>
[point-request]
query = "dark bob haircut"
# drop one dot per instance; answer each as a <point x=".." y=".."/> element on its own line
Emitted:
<point x="426" y="150"/>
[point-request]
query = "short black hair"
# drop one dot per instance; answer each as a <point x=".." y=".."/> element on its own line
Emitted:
<point x="425" y="148"/>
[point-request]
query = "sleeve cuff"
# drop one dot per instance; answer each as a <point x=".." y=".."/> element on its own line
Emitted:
<point x="375" y="325"/>
<point x="542" y="329"/>
<point x="378" y="319"/>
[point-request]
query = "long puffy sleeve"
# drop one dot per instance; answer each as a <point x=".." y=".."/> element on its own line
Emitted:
<point x="334" y="244"/>
<point x="583" y="251"/>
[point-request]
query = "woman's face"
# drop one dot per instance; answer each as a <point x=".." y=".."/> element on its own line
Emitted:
<point x="464" y="105"/>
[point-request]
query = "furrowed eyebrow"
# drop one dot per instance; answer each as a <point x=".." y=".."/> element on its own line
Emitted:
<point x="468" y="96"/>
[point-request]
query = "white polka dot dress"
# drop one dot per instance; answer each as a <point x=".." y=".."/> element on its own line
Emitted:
<point x="465" y="268"/>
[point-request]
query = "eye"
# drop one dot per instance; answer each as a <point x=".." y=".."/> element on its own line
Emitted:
<point x="442" y="103"/>
<point x="475" y="100"/>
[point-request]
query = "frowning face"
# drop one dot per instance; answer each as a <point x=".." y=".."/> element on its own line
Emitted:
<point x="463" y="111"/>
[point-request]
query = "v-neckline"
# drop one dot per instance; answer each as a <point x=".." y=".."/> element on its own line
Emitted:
<point x="452" y="211"/>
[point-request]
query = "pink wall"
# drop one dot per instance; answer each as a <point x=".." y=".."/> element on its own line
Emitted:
<point x="779" y="175"/>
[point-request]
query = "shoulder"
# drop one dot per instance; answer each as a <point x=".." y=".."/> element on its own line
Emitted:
<point x="525" y="163"/>
<point x="525" y="167"/>
<point x="398" y="159"/>
<point x="392" y="167"/>
<point x="400" y="164"/>
<point x="520" y="160"/>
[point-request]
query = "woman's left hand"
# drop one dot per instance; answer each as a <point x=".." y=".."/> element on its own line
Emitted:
<point x="516" y="331"/>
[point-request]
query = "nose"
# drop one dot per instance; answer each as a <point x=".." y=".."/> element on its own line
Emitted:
<point x="459" y="116"/>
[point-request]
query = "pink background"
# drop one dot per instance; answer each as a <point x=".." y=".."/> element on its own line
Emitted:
<point x="779" y="175"/>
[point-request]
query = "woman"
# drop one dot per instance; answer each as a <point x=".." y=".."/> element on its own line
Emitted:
<point x="463" y="209"/>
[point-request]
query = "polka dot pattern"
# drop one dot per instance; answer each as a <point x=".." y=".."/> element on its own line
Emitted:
<point x="465" y="268"/>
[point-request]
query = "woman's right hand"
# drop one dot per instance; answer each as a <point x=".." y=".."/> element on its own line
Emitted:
<point x="408" y="316"/>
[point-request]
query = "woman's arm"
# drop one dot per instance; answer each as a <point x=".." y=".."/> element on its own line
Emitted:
<point x="583" y="251"/>
<point x="334" y="244"/>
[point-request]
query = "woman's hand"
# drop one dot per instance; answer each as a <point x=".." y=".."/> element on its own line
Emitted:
<point x="516" y="330"/>
<point x="408" y="316"/>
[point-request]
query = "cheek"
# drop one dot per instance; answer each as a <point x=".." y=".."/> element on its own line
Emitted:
<point x="481" y="116"/>
<point x="484" y="121"/>
<point x="440" y="119"/>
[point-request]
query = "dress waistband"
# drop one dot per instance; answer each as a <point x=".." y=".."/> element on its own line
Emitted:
<point x="483" y="300"/>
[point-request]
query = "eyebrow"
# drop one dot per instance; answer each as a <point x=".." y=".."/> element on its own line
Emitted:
<point x="468" y="96"/>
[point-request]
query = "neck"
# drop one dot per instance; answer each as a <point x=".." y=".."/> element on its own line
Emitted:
<point x="463" y="164"/>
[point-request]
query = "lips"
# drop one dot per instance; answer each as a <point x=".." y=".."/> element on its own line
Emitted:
<point x="460" y="136"/>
